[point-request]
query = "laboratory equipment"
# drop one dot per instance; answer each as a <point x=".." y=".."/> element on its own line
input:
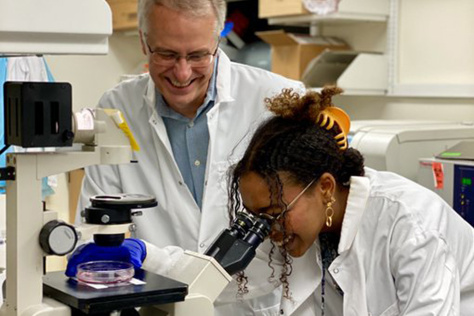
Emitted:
<point x="451" y="176"/>
<point x="107" y="219"/>
<point x="206" y="275"/>
<point x="397" y="145"/>
<point x="148" y="288"/>
<point x="103" y="143"/>
<point x="235" y="247"/>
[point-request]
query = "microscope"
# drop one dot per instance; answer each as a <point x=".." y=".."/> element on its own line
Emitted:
<point x="39" y="114"/>
<point x="203" y="276"/>
<point x="33" y="233"/>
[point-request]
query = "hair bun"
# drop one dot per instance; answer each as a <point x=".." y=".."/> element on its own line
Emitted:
<point x="353" y="164"/>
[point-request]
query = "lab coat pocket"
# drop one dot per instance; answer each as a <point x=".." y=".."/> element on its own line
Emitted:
<point x="391" y="311"/>
<point x="268" y="311"/>
<point x="268" y="304"/>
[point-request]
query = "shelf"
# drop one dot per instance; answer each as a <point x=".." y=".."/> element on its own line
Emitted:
<point x="358" y="73"/>
<point x="433" y="90"/>
<point x="294" y="13"/>
<point x="333" y="19"/>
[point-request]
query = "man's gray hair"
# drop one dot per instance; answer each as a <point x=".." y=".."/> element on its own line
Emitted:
<point x="195" y="8"/>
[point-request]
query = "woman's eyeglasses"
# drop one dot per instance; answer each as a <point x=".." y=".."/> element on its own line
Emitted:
<point x="275" y="220"/>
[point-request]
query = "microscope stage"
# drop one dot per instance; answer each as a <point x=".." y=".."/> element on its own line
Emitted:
<point x="157" y="290"/>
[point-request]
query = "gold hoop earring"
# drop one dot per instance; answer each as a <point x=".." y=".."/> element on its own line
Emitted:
<point x="329" y="212"/>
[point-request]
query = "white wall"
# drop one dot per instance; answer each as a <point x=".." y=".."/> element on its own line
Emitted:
<point x="436" y="42"/>
<point x="91" y="76"/>
<point x="392" y="108"/>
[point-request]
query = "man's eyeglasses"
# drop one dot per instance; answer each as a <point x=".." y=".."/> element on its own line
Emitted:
<point x="275" y="220"/>
<point x="169" y="59"/>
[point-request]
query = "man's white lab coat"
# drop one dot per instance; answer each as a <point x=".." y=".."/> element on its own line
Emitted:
<point x="403" y="251"/>
<point x="177" y="220"/>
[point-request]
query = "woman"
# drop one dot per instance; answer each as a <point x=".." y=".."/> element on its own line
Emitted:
<point x="363" y="242"/>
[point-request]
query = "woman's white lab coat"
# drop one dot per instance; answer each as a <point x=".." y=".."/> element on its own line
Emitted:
<point x="403" y="251"/>
<point x="177" y="220"/>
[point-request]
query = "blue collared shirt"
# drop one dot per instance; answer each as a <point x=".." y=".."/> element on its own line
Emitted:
<point x="189" y="139"/>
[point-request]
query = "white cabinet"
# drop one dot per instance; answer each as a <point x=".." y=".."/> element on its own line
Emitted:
<point x="363" y="25"/>
<point x="426" y="45"/>
<point x="357" y="73"/>
<point x="433" y="51"/>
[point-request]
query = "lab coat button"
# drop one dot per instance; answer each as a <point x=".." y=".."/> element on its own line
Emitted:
<point x="180" y="183"/>
<point x="336" y="270"/>
<point x="197" y="163"/>
<point x="202" y="245"/>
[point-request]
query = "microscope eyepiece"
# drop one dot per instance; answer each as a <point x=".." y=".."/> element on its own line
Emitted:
<point x="235" y="247"/>
<point x="258" y="232"/>
<point x="242" y="223"/>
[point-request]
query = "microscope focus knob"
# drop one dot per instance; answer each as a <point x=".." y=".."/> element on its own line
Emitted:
<point x="58" y="238"/>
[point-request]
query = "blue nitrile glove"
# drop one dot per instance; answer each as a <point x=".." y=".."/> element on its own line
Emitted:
<point x="131" y="250"/>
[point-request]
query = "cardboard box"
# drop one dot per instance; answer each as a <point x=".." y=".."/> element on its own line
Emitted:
<point x="291" y="53"/>
<point x="74" y="187"/>
<point x="271" y="8"/>
<point x="124" y="14"/>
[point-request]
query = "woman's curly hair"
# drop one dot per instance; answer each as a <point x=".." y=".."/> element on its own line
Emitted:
<point x="290" y="105"/>
<point x="293" y="144"/>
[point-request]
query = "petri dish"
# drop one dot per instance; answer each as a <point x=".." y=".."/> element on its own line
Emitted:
<point x="105" y="272"/>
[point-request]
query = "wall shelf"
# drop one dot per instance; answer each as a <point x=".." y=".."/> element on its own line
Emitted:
<point x="433" y="90"/>
<point x="293" y="12"/>
<point x="333" y="19"/>
<point x="358" y="73"/>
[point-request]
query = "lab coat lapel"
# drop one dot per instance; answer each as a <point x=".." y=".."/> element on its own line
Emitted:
<point x="348" y="269"/>
<point x="304" y="280"/>
<point x="155" y="120"/>
<point x="356" y="202"/>
<point x="211" y="219"/>
<point x="224" y="80"/>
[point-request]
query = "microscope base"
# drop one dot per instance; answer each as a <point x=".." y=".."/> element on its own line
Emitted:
<point x="88" y="300"/>
<point x="194" y="304"/>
